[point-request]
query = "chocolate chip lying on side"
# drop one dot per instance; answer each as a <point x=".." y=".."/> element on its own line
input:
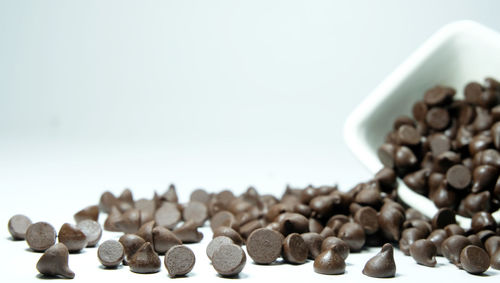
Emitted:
<point x="313" y="242"/>
<point x="54" y="262"/>
<point x="73" y="237"/>
<point x="145" y="260"/>
<point x="215" y="244"/>
<point x="229" y="260"/>
<point x="329" y="263"/>
<point x="179" y="260"/>
<point x="474" y="260"/>
<point x="381" y="265"/>
<point x="18" y="224"/>
<point x="424" y="252"/>
<point x="294" y="249"/>
<point x="228" y="232"/>
<point x="40" y="236"/>
<point x="110" y="253"/>
<point x="264" y="245"/>
<point x="92" y="231"/>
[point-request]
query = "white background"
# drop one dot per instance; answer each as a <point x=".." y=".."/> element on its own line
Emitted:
<point x="103" y="95"/>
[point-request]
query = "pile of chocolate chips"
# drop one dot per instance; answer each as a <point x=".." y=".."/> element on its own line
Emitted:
<point x="449" y="150"/>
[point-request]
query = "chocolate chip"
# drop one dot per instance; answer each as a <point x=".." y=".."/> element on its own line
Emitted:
<point x="437" y="237"/>
<point x="452" y="246"/>
<point x="404" y="158"/>
<point x="72" y="237"/>
<point x="40" y="236"/>
<point x="390" y="222"/>
<point x="92" y="231"/>
<point x="313" y="242"/>
<point x="110" y="253"/>
<point x="417" y="181"/>
<point x="168" y="215"/>
<point x="354" y="235"/>
<point x="179" y="260"/>
<point x="329" y="263"/>
<point x="386" y="154"/>
<point x="264" y="245"/>
<point x="424" y="252"/>
<point x="200" y="195"/>
<point x="229" y="232"/>
<point x="147" y="208"/>
<point x="215" y="244"/>
<point x="131" y="243"/>
<point x="337" y="245"/>
<point x="438" y="95"/>
<point x="476" y="202"/>
<point x="146" y="231"/>
<point x="492" y="244"/>
<point x="129" y="221"/>
<point x="107" y="201"/>
<point x="294" y="249"/>
<point x="89" y="212"/>
<point x="54" y="262"/>
<point x="164" y="239"/>
<point x="474" y="260"/>
<point x="454" y="229"/>
<point x="367" y="217"/>
<point x="419" y="110"/>
<point x="495" y="260"/>
<point x="188" y="232"/>
<point x="293" y="223"/>
<point x="484" y="176"/>
<point x="195" y="211"/>
<point x="483" y="221"/>
<point x="443" y="217"/>
<point x="18" y="224"/>
<point x="144" y="260"/>
<point x="408" y="135"/>
<point x="170" y="195"/>
<point x="439" y="143"/>
<point x="381" y="265"/>
<point x="113" y="217"/>
<point x="229" y="260"/>
<point x="437" y="118"/>
<point x="408" y="237"/>
<point x="472" y="92"/>
<point x="223" y="218"/>
<point x="458" y="176"/>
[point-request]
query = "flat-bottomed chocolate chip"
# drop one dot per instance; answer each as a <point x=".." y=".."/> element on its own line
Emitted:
<point x="229" y="260"/>
<point x="92" y="231"/>
<point x="164" y="239"/>
<point x="40" y="236"/>
<point x="264" y="245"/>
<point x="329" y="263"/>
<point x="215" y="244"/>
<point x="294" y="249"/>
<point x="179" y="260"/>
<point x="18" y="225"/>
<point x="89" y="212"/>
<point x="381" y="265"/>
<point x="110" y="253"/>
<point x="474" y="260"/>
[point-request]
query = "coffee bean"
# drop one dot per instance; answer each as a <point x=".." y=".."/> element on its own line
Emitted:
<point x="474" y="260"/>
<point x="92" y="231"/>
<point x="164" y="239"/>
<point x="230" y="233"/>
<point x="54" y="262"/>
<point x="179" y="261"/>
<point x="18" y="225"/>
<point x="329" y="263"/>
<point x="40" y="236"/>
<point x="229" y="260"/>
<point x="131" y="243"/>
<point x="144" y="260"/>
<point x="89" y="212"/>
<point x="294" y="249"/>
<point x="72" y="237"/>
<point x="424" y="252"/>
<point x="110" y="253"/>
<point x="264" y="245"/>
<point x="381" y="265"/>
<point x="188" y="232"/>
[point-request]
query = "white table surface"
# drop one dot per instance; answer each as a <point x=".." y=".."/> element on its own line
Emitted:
<point x="103" y="95"/>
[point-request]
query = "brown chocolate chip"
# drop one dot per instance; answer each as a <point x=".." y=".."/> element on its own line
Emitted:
<point x="439" y="143"/>
<point x="131" y="243"/>
<point x="323" y="206"/>
<point x="452" y="246"/>
<point x="492" y="244"/>
<point x="40" y="236"/>
<point x="495" y="260"/>
<point x="54" y="262"/>
<point x="144" y="260"/>
<point x="404" y="158"/>
<point x="168" y="215"/>
<point x="484" y="176"/>
<point x="200" y="195"/>
<point x="18" y="224"/>
<point x="419" y="110"/>
<point x="483" y="221"/>
<point x="408" y="237"/>
<point x="229" y="260"/>
<point x="229" y="232"/>
<point x="170" y="195"/>
<point x="437" y="237"/>
<point x="458" y="176"/>
<point x="179" y="261"/>
<point x="72" y="237"/>
<point x="215" y="244"/>
<point x="195" y="211"/>
<point x="294" y="249"/>
<point x="386" y="154"/>
<point x="164" y="239"/>
<point x="92" y="231"/>
<point x="110" y="253"/>
<point x="408" y="135"/>
<point x="443" y="217"/>
<point x="424" y="252"/>
<point x="188" y="232"/>
<point x="417" y="181"/>
<point x="337" y="245"/>
<point x="146" y="231"/>
<point x="353" y="234"/>
<point x="313" y="241"/>
<point x="89" y="212"/>
<point x="476" y="202"/>
<point x="130" y="221"/>
<point x="390" y="222"/>
<point x="438" y="95"/>
<point x="223" y="218"/>
<point x="367" y="217"/>
<point x="472" y="92"/>
<point x="474" y="260"/>
<point x="454" y="229"/>
<point x="107" y="201"/>
<point x="437" y="118"/>
<point x="147" y="208"/>
<point x="264" y="245"/>
<point x="386" y="178"/>
<point x="113" y="217"/>
<point x="381" y="265"/>
<point x="329" y="263"/>
<point x="249" y="227"/>
<point x="293" y="223"/>
<point x="403" y="120"/>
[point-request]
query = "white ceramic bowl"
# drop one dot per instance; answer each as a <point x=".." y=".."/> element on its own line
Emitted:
<point x="456" y="54"/>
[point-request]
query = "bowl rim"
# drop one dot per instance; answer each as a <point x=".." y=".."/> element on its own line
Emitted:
<point x="353" y="133"/>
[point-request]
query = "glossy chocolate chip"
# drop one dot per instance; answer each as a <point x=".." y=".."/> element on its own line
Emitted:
<point x="417" y="181"/>
<point x="164" y="239"/>
<point x="474" y="260"/>
<point x="483" y="221"/>
<point x="294" y="249"/>
<point x="313" y="241"/>
<point x="264" y="245"/>
<point x="89" y="212"/>
<point x="452" y="246"/>
<point x="40" y="236"/>
<point x="229" y="260"/>
<point x="215" y="244"/>
<point x="408" y="237"/>
<point x="18" y="225"/>
<point x="337" y="245"/>
<point x="293" y="223"/>
<point x="179" y="260"/>
<point x="367" y="217"/>
<point x="110" y="253"/>
<point x="408" y="135"/>
<point x="492" y="244"/>
<point x="144" y="260"/>
<point x="353" y="234"/>
<point x="437" y="237"/>
<point x="443" y="217"/>
<point x="381" y="265"/>
<point x="329" y="263"/>
<point x="424" y="252"/>
<point x="92" y="231"/>
<point x="131" y="243"/>
<point x="130" y="221"/>
<point x="54" y="262"/>
<point x="72" y="237"/>
<point x="437" y="118"/>
<point x="223" y="218"/>
<point x="390" y="222"/>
